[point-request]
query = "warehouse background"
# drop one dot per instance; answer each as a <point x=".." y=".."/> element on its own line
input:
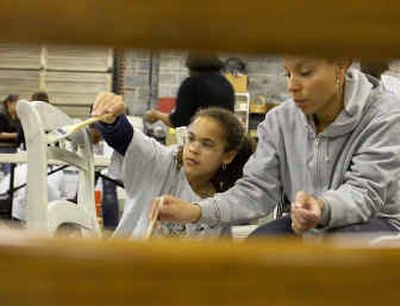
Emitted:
<point x="73" y="75"/>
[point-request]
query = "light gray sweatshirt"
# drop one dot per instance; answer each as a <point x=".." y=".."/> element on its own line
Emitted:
<point x="353" y="165"/>
<point x="149" y="169"/>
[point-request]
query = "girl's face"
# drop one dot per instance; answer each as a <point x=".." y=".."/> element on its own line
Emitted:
<point x="204" y="149"/>
<point x="313" y="85"/>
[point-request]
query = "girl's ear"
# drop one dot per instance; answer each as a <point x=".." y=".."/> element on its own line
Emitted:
<point x="228" y="157"/>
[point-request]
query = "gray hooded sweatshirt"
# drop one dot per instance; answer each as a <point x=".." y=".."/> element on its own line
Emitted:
<point x="353" y="165"/>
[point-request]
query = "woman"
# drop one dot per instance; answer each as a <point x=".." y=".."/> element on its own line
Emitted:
<point x="333" y="151"/>
<point x="209" y="162"/>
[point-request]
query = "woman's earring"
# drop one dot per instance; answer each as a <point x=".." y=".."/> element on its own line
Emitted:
<point x="338" y="86"/>
<point x="223" y="167"/>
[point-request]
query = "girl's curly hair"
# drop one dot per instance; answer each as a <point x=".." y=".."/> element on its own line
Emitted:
<point x="235" y="139"/>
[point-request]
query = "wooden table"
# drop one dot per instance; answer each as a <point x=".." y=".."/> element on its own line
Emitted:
<point x="276" y="272"/>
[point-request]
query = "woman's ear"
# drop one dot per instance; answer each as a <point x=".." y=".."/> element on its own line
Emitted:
<point x="229" y="157"/>
<point x="342" y="64"/>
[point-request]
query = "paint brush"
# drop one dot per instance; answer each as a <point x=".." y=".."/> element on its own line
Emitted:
<point x="68" y="130"/>
<point x="154" y="217"/>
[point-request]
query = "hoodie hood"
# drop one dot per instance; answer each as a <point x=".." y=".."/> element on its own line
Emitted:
<point x="357" y="96"/>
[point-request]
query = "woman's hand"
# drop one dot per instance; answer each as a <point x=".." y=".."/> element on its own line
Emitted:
<point x="152" y="116"/>
<point x="155" y="115"/>
<point x="108" y="103"/>
<point x="305" y="213"/>
<point x="175" y="210"/>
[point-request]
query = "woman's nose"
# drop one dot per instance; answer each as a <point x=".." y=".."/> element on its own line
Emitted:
<point x="293" y="84"/>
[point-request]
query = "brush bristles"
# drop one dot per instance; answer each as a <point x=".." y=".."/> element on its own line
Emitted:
<point x="61" y="131"/>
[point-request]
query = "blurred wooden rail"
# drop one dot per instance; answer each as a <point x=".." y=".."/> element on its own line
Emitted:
<point x="82" y="273"/>
<point x="346" y="27"/>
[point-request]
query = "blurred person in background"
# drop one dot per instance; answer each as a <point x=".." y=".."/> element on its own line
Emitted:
<point x="11" y="135"/>
<point x="40" y="96"/>
<point x="206" y="86"/>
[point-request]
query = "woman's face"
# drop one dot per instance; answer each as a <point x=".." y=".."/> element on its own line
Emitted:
<point x="313" y="85"/>
<point x="204" y="149"/>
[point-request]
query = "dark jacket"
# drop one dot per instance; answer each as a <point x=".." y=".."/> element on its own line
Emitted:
<point x="8" y="125"/>
<point x="203" y="90"/>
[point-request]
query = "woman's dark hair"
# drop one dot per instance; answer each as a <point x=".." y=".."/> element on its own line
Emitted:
<point x="204" y="62"/>
<point x="9" y="98"/>
<point x="235" y="65"/>
<point x="235" y="139"/>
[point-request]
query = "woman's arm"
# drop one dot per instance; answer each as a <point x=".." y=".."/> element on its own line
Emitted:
<point x="155" y="115"/>
<point x="8" y="136"/>
<point x="254" y="195"/>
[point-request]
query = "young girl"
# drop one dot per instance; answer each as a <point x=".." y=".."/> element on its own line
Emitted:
<point x="210" y="161"/>
<point x="333" y="150"/>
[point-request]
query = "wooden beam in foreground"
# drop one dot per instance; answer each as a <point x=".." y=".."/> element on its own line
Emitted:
<point x="340" y="27"/>
<point x="180" y="273"/>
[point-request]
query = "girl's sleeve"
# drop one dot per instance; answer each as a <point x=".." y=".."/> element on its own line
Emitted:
<point x="118" y="135"/>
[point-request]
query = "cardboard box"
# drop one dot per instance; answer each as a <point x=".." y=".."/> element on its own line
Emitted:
<point x="170" y="137"/>
<point x="239" y="81"/>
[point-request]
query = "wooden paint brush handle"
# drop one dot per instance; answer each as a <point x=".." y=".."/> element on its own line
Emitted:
<point x="152" y="222"/>
<point x="67" y="130"/>
<point x="91" y="120"/>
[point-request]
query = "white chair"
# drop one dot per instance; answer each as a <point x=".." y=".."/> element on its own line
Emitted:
<point x="37" y="118"/>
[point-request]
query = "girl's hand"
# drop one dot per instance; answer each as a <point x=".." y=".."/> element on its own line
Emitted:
<point x="108" y="103"/>
<point x="175" y="210"/>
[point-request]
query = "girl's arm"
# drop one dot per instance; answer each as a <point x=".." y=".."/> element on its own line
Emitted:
<point x="118" y="135"/>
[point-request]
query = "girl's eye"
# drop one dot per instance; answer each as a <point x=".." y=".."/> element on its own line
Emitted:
<point x="207" y="145"/>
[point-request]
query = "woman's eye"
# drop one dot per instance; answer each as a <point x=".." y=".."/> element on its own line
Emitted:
<point x="305" y="72"/>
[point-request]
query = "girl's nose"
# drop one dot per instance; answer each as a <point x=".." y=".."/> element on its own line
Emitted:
<point x="194" y="146"/>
